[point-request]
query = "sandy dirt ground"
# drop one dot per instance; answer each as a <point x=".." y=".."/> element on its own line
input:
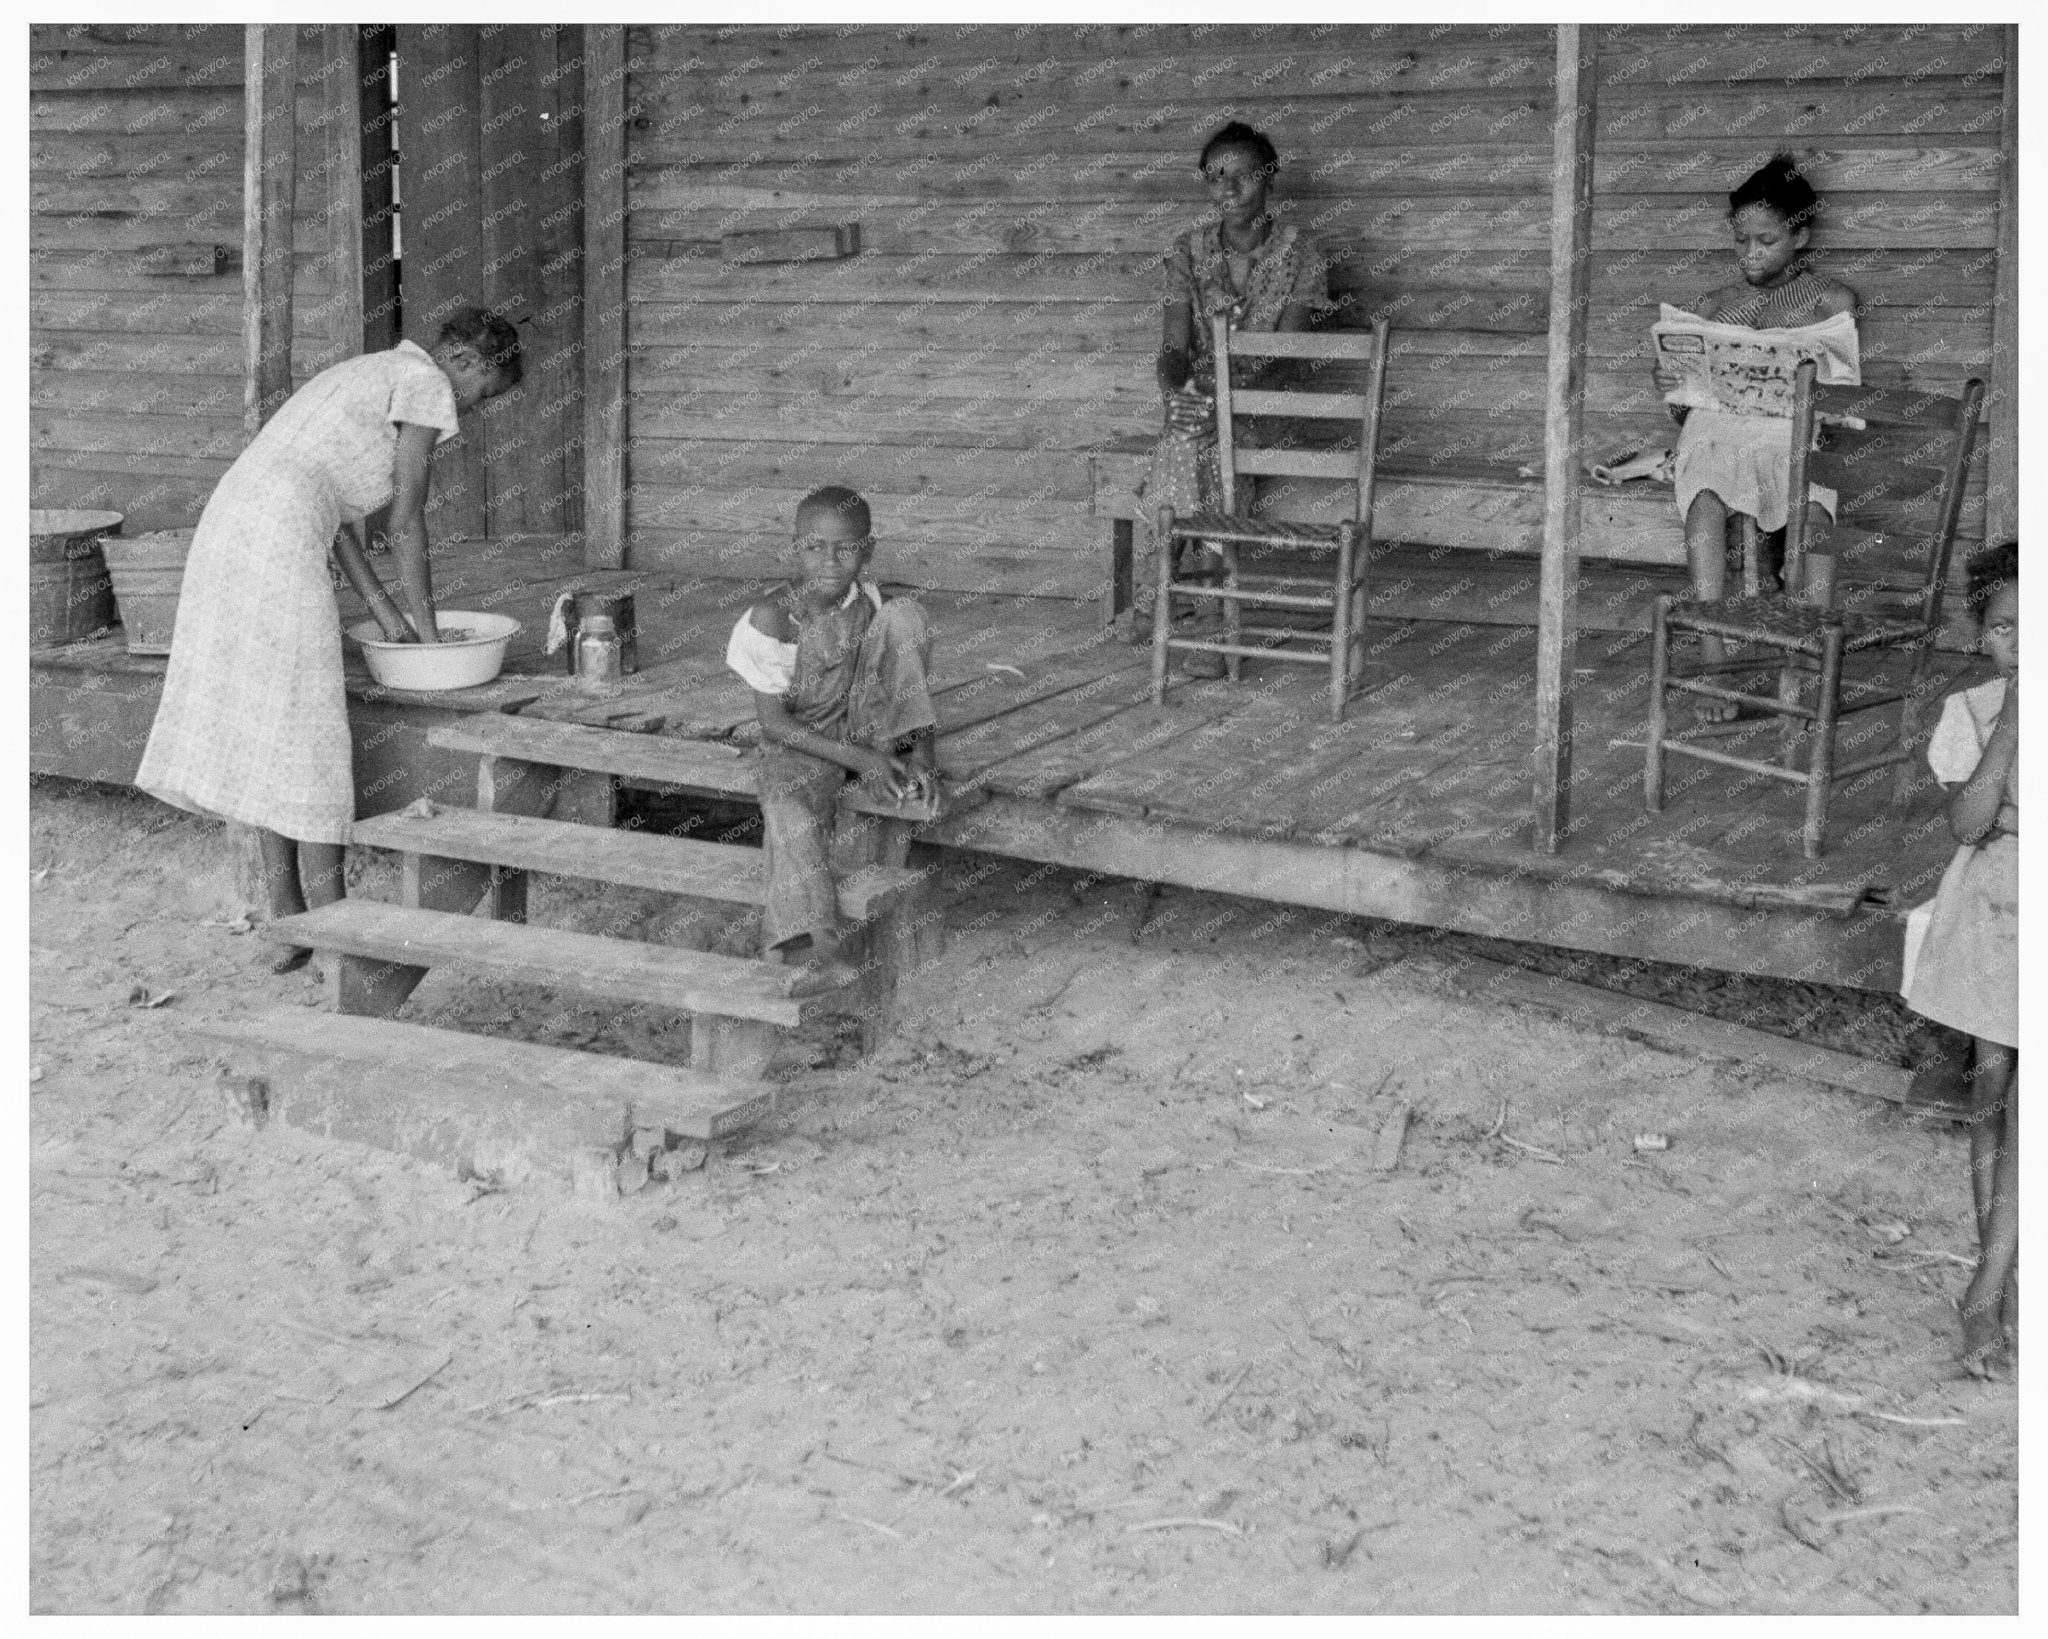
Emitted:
<point x="1082" y="1295"/>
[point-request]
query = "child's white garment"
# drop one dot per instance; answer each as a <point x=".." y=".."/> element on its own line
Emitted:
<point x="1962" y="946"/>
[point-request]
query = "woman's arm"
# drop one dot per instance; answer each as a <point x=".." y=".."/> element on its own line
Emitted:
<point x="1973" y="806"/>
<point x="355" y="564"/>
<point x="1176" y="356"/>
<point x="410" y="474"/>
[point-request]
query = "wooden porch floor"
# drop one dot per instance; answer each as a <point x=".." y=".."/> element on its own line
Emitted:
<point x="1415" y="808"/>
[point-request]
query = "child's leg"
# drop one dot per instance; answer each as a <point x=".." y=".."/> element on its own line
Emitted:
<point x="1990" y="1086"/>
<point x="1818" y="586"/>
<point x="1706" y="551"/>
<point x="1993" y="1289"/>
<point x="799" y="797"/>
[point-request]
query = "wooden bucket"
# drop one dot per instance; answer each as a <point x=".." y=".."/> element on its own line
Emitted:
<point x="148" y="572"/>
<point x="70" y="595"/>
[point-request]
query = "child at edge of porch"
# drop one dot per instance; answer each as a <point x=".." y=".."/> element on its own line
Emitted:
<point x="1962" y="947"/>
<point x="840" y="689"/>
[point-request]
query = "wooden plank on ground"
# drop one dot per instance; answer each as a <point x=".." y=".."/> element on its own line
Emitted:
<point x="1590" y="1007"/>
<point x="509" y="1110"/>
<point x="624" y="970"/>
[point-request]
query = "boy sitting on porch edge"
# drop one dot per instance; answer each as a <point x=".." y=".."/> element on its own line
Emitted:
<point x="839" y="681"/>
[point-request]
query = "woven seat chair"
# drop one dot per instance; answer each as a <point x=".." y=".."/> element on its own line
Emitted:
<point x="1339" y="644"/>
<point x="1897" y="458"/>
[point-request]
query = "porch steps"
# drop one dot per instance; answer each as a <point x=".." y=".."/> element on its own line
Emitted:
<point x="633" y="859"/>
<point x="506" y="1111"/>
<point x="651" y="759"/>
<point x="662" y="761"/>
<point x="369" y="935"/>
<point x="544" y="802"/>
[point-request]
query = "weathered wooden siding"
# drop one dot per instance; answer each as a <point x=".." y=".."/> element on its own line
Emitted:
<point x="135" y="368"/>
<point x="1014" y="188"/>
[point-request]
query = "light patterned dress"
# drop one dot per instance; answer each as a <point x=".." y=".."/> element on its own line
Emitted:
<point x="1747" y="459"/>
<point x="253" y="724"/>
<point x="1253" y="290"/>
<point x="1962" y="947"/>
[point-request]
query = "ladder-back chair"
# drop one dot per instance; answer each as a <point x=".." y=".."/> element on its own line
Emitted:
<point x="1897" y="458"/>
<point x="1341" y="592"/>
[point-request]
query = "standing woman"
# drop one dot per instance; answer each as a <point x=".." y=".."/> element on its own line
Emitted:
<point x="1242" y="264"/>
<point x="253" y="724"/>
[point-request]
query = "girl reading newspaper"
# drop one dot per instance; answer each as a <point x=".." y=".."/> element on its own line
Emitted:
<point x="1726" y="369"/>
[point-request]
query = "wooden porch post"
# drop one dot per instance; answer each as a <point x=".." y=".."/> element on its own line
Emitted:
<point x="269" y="189"/>
<point x="341" y="94"/>
<point x="270" y="164"/>
<point x="2002" y="492"/>
<point x="1571" y="229"/>
<point x="604" y="296"/>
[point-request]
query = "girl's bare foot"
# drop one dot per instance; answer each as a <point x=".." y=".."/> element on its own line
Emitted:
<point x="292" y="960"/>
<point x="1708" y="712"/>
<point x="1986" y="1350"/>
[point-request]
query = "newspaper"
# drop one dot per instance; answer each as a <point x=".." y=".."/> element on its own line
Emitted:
<point x="1749" y="372"/>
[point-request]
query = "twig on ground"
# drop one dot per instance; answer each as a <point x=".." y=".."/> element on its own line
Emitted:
<point x="1244" y="1371"/>
<point x="1824" y="1472"/>
<point x="871" y="1524"/>
<point x="1917" y="1422"/>
<point x="1056" y="992"/>
<point x="601" y="1491"/>
<point x="1793" y="1531"/>
<point x="1499" y="1122"/>
<point x="1222" y="1525"/>
<point x="576" y="1399"/>
<point x="1531" y="1149"/>
<point x="1875" y="1511"/>
<point x="883" y="1468"/>
<point x="1285" y="1172"/>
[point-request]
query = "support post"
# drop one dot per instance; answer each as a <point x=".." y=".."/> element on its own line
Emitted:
<point x="2002" y="493"/>
<point x="341" y="98"/>
<point x="604" y="296"/>
<point x="269" y="192"/>
<point x="1571" y="231"/>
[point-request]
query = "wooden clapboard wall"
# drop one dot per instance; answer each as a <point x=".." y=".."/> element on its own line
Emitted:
<point x="1899" y="128"/>
<point x="1015" y="186"/>
<point x="135" y="232"/>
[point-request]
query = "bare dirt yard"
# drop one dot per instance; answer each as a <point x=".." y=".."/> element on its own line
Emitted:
<point x="1082" y="1295"/>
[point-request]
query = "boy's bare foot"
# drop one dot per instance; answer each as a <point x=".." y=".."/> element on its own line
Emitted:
<point x="1707" y="713"/>
<point x="818" y="975"/>
<point x="292" y="960"/>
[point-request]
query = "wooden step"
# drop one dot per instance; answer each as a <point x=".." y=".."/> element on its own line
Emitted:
<point x="633" y="859"/>
<point x="703" y="766"/>
<point x="652" y="759"/>
<point x="624" y="970"/>
<point x="485" y="1107"/>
